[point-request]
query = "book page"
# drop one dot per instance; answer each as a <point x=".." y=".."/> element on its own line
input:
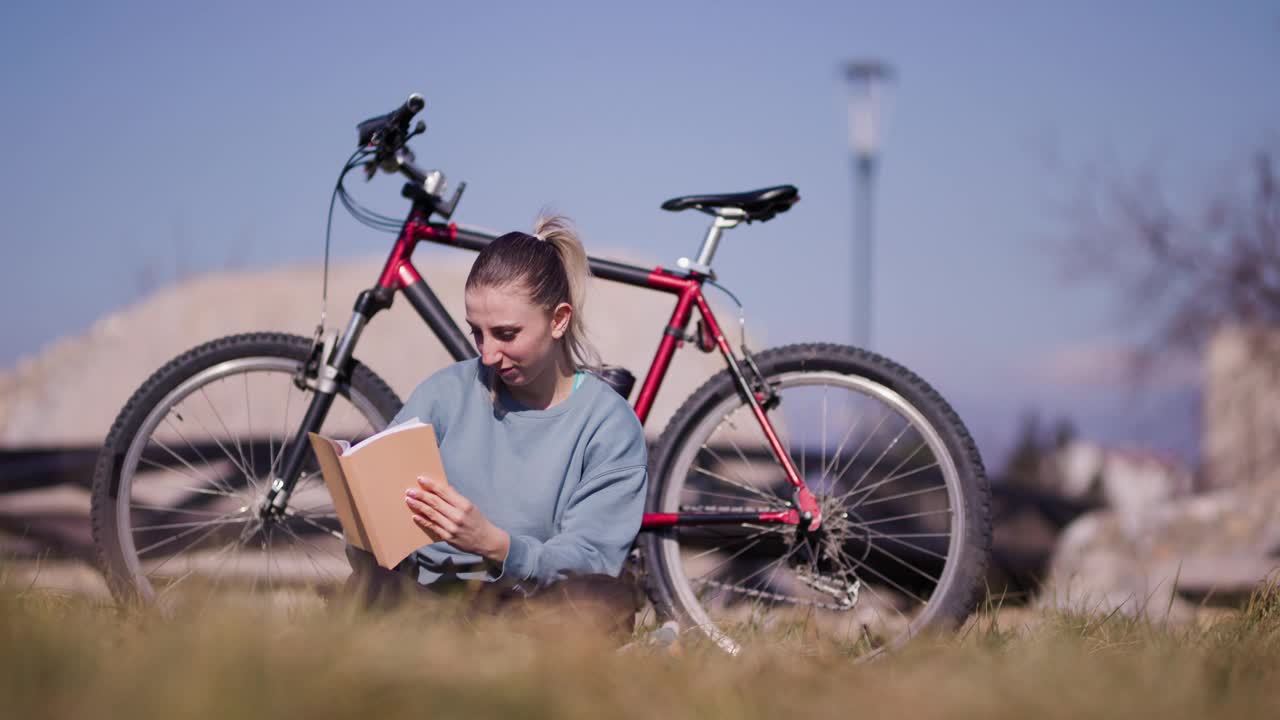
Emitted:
<point x="327" y="452"/>
<point x="379" y="474"/>
<point x="409" y="424"/>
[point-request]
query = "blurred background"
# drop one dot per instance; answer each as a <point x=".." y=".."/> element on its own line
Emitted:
<point x="1065" y="220"/>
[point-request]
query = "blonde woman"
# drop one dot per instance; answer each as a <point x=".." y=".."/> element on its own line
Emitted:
<point x="546" y="464"/>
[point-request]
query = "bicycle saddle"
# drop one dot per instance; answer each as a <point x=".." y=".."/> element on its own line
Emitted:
<point x="759" y="205"/>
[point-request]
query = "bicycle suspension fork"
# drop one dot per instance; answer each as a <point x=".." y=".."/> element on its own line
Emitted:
<point x="333" y="366"/>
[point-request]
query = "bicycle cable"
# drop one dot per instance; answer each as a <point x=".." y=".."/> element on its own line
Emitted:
<point x="742" y="313"/>
<point x="352" y="162"/>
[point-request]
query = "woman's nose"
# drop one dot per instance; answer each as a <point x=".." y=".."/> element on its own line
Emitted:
<point x="490" y="357"/>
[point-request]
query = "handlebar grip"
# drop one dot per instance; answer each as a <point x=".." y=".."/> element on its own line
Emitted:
<point x="403" y="114"/>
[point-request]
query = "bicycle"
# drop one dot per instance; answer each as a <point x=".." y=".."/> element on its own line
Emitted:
<point x="814" y="482"/>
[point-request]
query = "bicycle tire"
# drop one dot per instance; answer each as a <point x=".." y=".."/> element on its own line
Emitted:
<point x="197" y="493"/>
<point x="686" y="468"/>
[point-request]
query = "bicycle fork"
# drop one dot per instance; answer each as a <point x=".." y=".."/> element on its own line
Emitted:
<point x="330" y="364"/>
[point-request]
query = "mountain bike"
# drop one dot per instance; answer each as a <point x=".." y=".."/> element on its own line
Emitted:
<point x="812" y="483"/>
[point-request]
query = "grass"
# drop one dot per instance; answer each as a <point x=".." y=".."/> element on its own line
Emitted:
<point x="70" y="657"/>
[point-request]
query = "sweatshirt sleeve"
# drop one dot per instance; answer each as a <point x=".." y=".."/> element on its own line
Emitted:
<point x="602" y="516"/>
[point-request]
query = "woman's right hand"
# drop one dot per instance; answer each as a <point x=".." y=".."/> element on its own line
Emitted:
<point x="446" y="516"/>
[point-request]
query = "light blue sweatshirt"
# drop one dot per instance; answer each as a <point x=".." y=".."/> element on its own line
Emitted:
<point x="567" y="483"/>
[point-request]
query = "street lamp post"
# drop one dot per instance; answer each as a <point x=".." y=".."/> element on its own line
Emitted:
<point x="867" y="82"/>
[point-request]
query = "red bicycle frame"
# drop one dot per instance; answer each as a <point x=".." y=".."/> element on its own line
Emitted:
<point x="399" y="275"/>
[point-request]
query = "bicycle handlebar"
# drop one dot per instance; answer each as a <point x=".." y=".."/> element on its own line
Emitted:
<point x="389" y="133"/>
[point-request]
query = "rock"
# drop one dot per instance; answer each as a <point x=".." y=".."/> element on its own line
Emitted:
<point x="1154" y="561"/>
<point x="1241" y="405"/>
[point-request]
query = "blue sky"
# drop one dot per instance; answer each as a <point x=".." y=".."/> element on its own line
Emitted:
<point x="179" y="137"/>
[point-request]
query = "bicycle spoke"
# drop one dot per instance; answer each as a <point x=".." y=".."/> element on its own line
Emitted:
<point x="886" y="603"/>
<point x="879" y="457"/>
<point x="904" y="563"/>
<point x="925" y="513"/>
<point x="201" y="491"/>
<point x="867" y="490"/>
<point x="310" y="512"/>
<point x="743" y="582"/>
<point x="718" y="548"/>
<point x="860" y="564"/>
<point x="247" y="466"/>
<point x="737" y="498"/>
<point x="171" y="556"/>
<point x="211" y="481"/>
<point x="858" y="453"/>
<point x="835" y="460"/>
<point x="314" y="565"/>
<point x="182" y="436"/>
<point x="328" y="531"/>
<point x="899" y="496"/>
<point x="741" y="456"/>
<point x="898" y="539"/>
<point x="320" y="550"/>
<point x="170" y="587"/>
<point x="166" y="508"/>
<point x="171" y="526"/>
<point x="284" y="433"/>
<point x="183" y="534"/>
<point x="732" y="557"/>
<point x="748" y="488"/>
<point x="910" y="456"/>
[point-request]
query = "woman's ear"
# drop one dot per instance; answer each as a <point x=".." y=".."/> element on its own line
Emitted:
<point x="560" y="318"/>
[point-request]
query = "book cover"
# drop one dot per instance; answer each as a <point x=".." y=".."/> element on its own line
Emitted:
<point x="367" y="483"/>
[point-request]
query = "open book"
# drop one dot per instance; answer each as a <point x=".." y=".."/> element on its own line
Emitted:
<point x="367" y="483"/>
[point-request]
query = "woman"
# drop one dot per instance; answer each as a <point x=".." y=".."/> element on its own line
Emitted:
<point x="546" y="464"/>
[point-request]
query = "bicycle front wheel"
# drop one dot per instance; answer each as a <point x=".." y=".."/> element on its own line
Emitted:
<point x="187" y="464"/>
<point x="906" y="532"/>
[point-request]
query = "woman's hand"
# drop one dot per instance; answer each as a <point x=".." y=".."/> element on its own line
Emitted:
<point x="446" y="516"/>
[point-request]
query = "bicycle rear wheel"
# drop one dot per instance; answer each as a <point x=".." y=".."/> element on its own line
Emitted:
<point x="906" y="533"/>
<point x="189" y="460"/>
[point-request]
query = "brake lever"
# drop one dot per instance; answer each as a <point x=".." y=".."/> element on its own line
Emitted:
<point x="370" y="131"/>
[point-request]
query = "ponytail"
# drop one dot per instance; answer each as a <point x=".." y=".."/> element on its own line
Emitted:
<point x="560" y="234"/>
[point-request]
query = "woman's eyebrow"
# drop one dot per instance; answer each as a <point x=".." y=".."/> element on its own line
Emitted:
<point x="507" y="327"/>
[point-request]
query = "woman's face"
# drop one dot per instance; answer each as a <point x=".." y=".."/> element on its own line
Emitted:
<point x="515" y="337"/>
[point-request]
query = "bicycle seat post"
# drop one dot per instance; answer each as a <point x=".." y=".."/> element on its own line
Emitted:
<point x="725" y="219"/>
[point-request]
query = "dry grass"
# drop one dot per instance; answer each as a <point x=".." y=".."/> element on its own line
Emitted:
<point x="68" y="657"/>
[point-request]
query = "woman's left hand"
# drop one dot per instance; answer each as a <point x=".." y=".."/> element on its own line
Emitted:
<point x="446" y="516"/>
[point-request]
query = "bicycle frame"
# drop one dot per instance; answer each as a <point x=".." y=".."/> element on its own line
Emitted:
<point x="400" y="275"/>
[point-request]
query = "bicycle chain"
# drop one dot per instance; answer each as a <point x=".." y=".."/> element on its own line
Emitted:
<point x="766" y="595"/>
<point x="730" y="508"/>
